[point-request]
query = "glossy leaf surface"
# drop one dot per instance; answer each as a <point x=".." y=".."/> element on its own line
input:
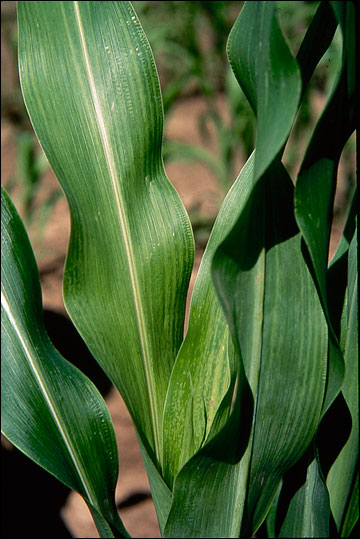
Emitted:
<point x="268" y="75"/>
<point x="49" y="409"/>
<point x="205" y="368"/>
<point x="92" y="92"/>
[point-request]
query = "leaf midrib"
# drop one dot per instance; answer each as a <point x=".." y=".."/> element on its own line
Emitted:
<point x="125" y="233"/>
<point x="51" y="405"/>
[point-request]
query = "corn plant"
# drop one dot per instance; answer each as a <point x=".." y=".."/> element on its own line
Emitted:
<point x="233" y="418"/>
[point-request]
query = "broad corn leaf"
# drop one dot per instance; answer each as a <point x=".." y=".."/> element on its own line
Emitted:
<point x="218" y="467"/>
<point x="92" y="92"/>
<point x="314" y="197"/>
<point x="290" y="360"/>
<point x="222" y="414"/>
<point x="49" y="409"/>
<point x="282" y="351"/>
<point x="309" y="510"/>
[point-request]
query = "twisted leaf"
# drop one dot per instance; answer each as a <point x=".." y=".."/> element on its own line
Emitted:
<point x="49" y="409"/>
<point x="92" y="93"/>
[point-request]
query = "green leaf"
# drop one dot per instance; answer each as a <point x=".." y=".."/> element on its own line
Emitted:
<point x="315" y="186"/>
<point x="316" y="42"/>
<point x="352" y="511"/>
<point x="92" y="92"/>
<point x="268" y="75"/>
<point x="341" y="476"/>
<point x="49" y="409"/>
<point x="271" y="517"/>
<point x="309" y="510"/>
<point x="269" y="319"/>
<point x="160" y="492"/>
<point x="205" y="367"/>
<point x="275" y="316"/>
<point x="254" y="272"/>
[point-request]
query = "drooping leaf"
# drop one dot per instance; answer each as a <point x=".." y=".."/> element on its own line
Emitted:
<point x="92" y="92"/>
<point x="49" y="409"/>
<point x="268" y="75"/>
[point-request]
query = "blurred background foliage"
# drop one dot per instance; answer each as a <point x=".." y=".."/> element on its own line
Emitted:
<point x="188" y="39"/>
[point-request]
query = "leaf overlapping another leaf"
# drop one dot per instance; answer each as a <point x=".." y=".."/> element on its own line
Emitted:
<point x="221" y="416"/>
<point x="92" y="92"/>
<point x="270" y="302"/>
<point x="314" y="199"/>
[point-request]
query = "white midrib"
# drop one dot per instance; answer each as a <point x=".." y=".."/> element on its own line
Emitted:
<point x="124" y="229"/>
<point x="67" y="440"/>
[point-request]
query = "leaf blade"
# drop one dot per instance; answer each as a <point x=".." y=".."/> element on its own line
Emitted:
<point x="309" y="510"/>
<point x="268" y="74"/>
<point x="131" y="246"/>
<point x="240" y="273"/>
<point x="207" y="351"/>
<point x="341" y="475"/>
<point x="50" y="410"/>
<point x="316" y="183"/>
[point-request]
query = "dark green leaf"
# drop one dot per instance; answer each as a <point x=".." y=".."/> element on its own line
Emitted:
<point x="309" y="511"/>
<point x="340" y="480"/>
<point x="315" y="186"/>
<point x="49" y="409"/>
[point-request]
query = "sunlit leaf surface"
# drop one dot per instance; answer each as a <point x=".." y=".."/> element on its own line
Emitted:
<point x="92" y="93"/>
